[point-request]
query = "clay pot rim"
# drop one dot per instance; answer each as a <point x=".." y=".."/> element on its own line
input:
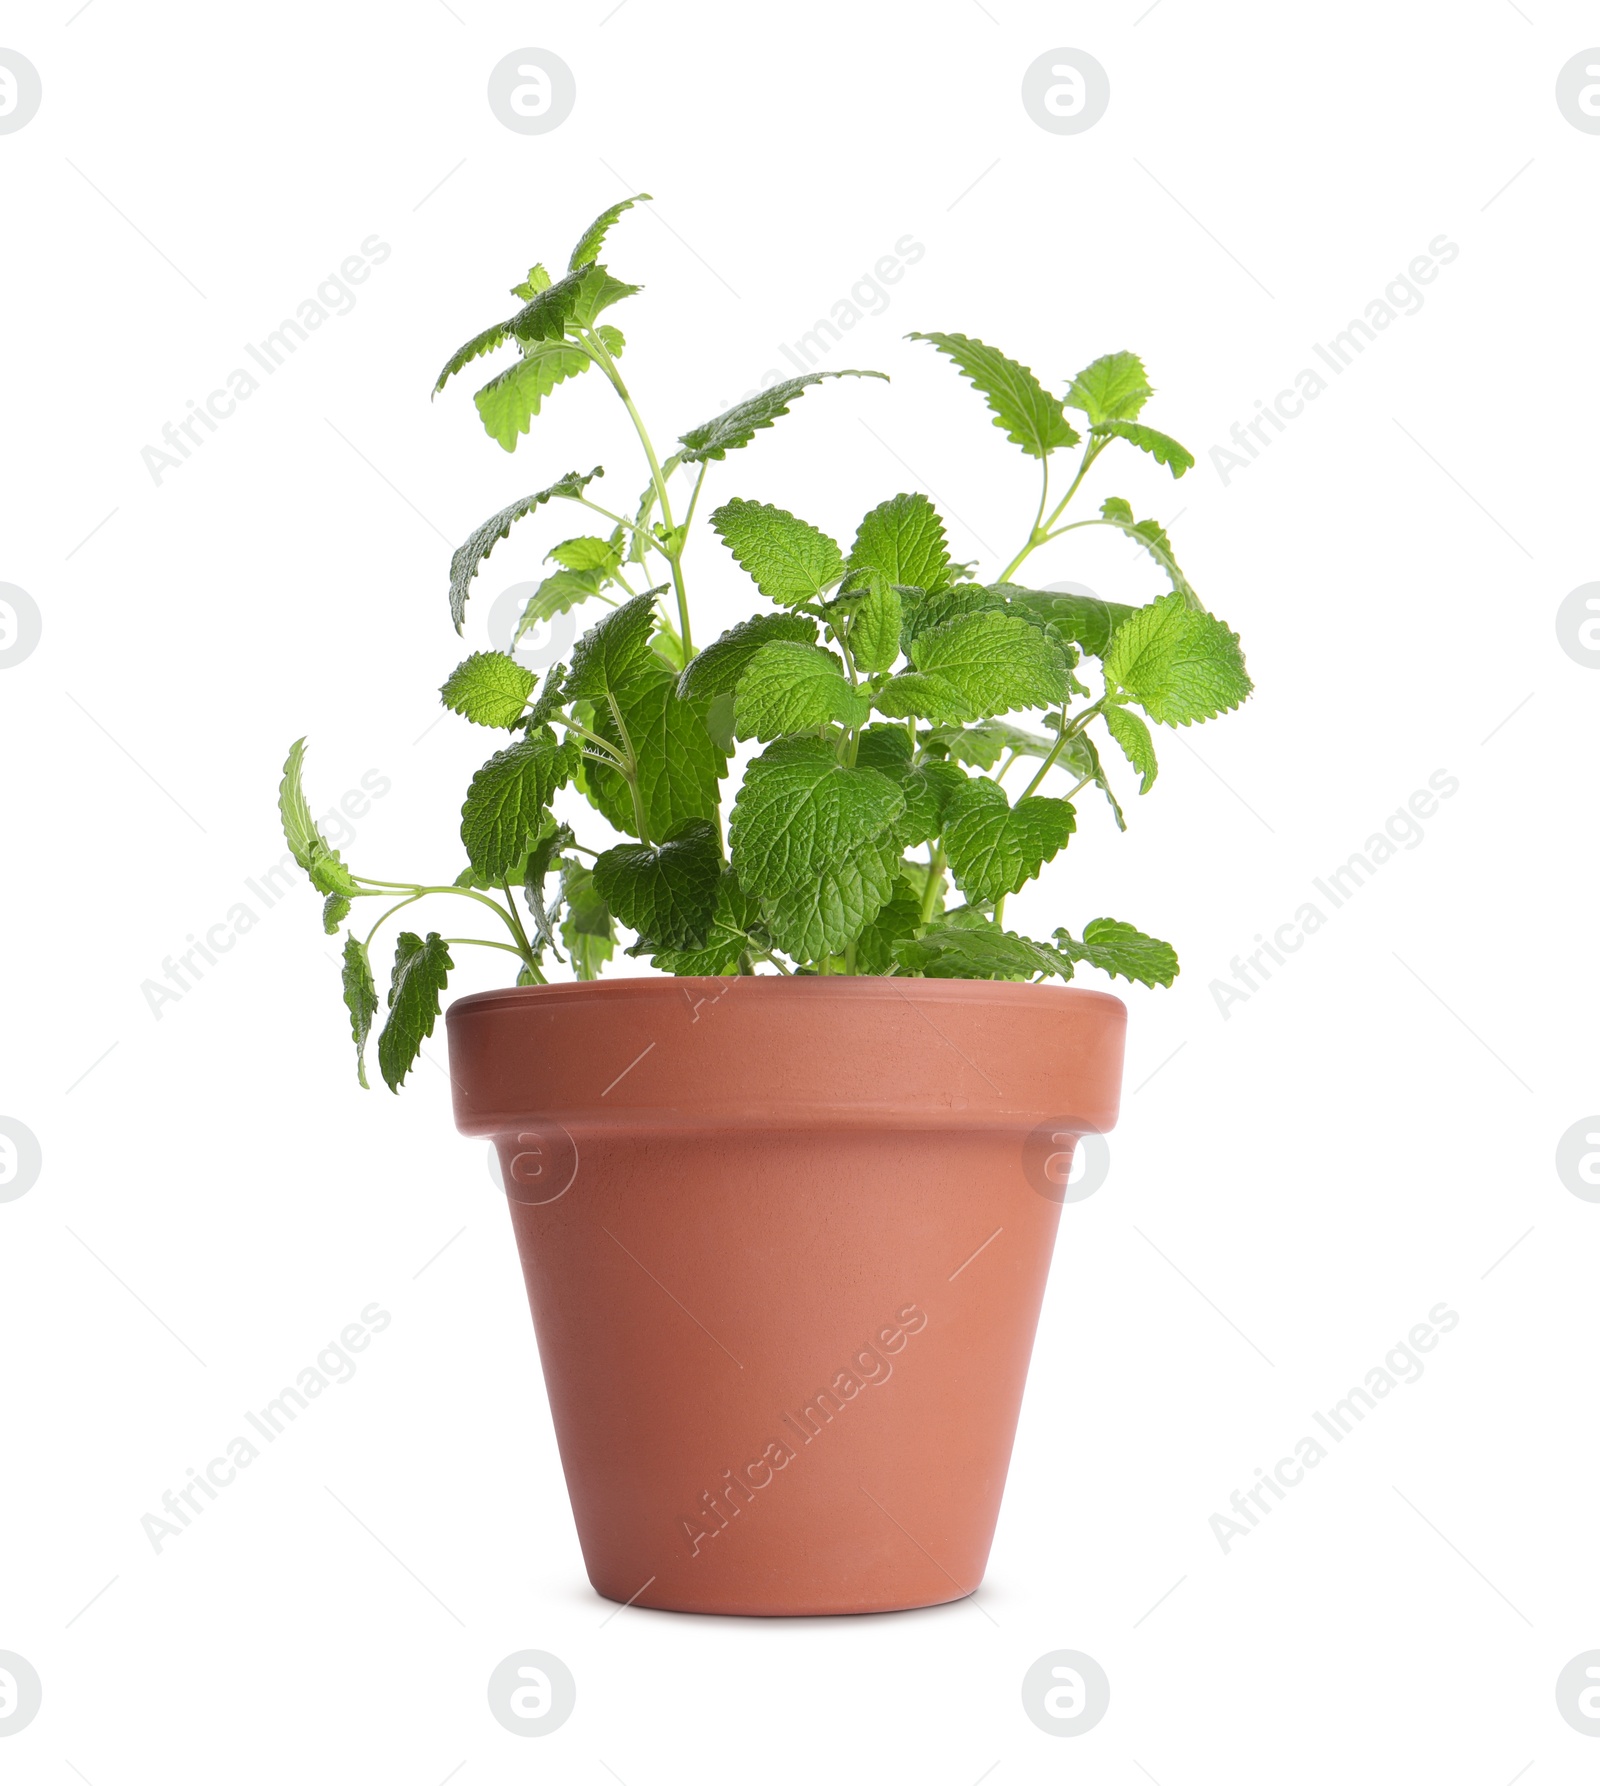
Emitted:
<point x="785" y="986"/>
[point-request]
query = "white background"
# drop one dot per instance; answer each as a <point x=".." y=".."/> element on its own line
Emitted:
<point x="1298" y="1182"/>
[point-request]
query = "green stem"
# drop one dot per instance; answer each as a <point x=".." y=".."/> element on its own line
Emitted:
<point x="1068" y="733"/>
<point x="630" y="769"/>
<point x="935" y="877"/>
<point x="415" y="893"/>
<point x="484" y="943"/>
<point x="1040" y="533"/>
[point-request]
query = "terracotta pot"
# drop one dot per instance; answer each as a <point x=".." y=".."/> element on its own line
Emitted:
<point x="785" y="1242"/>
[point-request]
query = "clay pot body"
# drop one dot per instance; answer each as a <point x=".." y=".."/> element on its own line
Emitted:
<point x="785" y="1242"/>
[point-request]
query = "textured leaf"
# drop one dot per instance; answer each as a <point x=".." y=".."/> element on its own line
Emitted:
<point x="467" y="558"/>
<point x="590" y="242"/>
<point x="535" y="283"/>
<point x="1161" y="447"/>
<point x="886" y="749"/>
<point x="717" y="669"/>
<point x="1152" y="536"/>
<point x="1031" y="417"/>
<point x="903" y="540"/>
<point x="924" y="609"/>
<point x="586" y="553"/>
<point x="976" y="667"/>
<point x="587" y="929"/>
<point x="1133" y="735"/>
<point x="979" y="952"/>
<point x="552" y="698"/>
<point x="1084" y="619"/>
<point x="306" y="843"/>
<point x="505" y="805"/>
<point x="360" y="999"/>
<point x="667" y="892"/>
<point x="335" y="909"/>
<point x="819" y="918"/>
<point x="994" y="848"/>
<point x="420" y="972"/>
<point x="598" y="291"/>
<point x="895" y="921"/>
<point x="1111" y="389"/>
<point x="874" y="635"/>
<point x="615" y="651"/>
<point x="984" y="744"/>
<point x="800" y="810"/>
<point x="791" y="687"/>
<point x="737" y="427"/>
<point x="510" y="400"/>
<point x="485" y="342"/>
<point x="929" y="792"/>
<point x="727" y="939"/>
<point x="790" y="560"/>
<point x="558" y="593"/>
<point x="1117" y="948"/>
<point x="546" y="316"/>
<point x="680" y="764"/>
<point x="540" y="860"/>
<point x="1179" y="663"/>
<point x="488" y="688"/>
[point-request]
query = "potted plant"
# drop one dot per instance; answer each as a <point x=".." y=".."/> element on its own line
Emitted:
<point x="785" y="1206"/>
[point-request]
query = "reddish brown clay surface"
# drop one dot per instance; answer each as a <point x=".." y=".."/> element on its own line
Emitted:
<point x="785" y="1241"/>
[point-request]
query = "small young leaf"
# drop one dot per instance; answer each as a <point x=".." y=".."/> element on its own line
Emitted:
<point x="1031" y="417"/>
<point x="505" y="805"/>
<point x="535" y="283"/>
<point x="1111" y="389"/>
<point x="791" y="687"/>
<point x="306" y="843"/>
<point x="1117" y="948"/>
<point x="667" y="892"/>
<point x="790" y="560"/>
<point x="586" y="553"/>
<point x="717" y="669"/>
<point x="1134" y="737"/>
<point x="420" y="971"/>
<point x="592" y="239"/>
<point x="976" y="667"/>
<point x="547" y="315"/>
<point x="466" y="559"/>
<point x="587" y="929"/>
<point x="1161" y="447"/>
<point x="615" y="651"/>
<point x="510" y="400"/>
<point x="552" y="698"/>
<point x="558" y="593"/>
<point x="983" y="745"/>
<point x="737" y="427"/>
<point x="489" y="688"/>
<point x="1178" y="662"/>
<point x="335" y="909"/>
<point x="995" y="849"/>
<point x="360" y="998"/>
<point x="903" y="540"/>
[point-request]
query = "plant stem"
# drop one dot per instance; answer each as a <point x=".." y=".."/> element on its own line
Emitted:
<point x="1040" y="533"/>
<point x="935" y="878"/>
<point x="1067" y="734"/>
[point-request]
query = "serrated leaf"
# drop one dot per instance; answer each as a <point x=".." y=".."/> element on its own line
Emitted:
<point x="1117" y="948"/>
<point x="896" y="920"/>
<point x="887" y="749"/>
<point x="680" y="764"/>
<point x="984" y="744"/>
<point x="541" y="859"/>
<point x="976" y="667"/>
<point x="903" y="540"/>
<point x="420" y="972"/>
<point x="335" y="909"/>
<point x="979" y="951"/>
<point x="995" y="848"/>
<point x="790" y="560"/>
<point x="666" y="892"/>
<point x="1111" y="389"/>
<point x="586" y="553"/>
<point x="615" y="650"/>
<point x="467" y="558"/>
<point x="486" y="341"/>
<point x="546" y="315"/>
<point x="552" y="698"/>
<point x="799" y="810"/>
<point x="1179" y="663"/>
<point x="597" y="291"/>
<point x="510" y="400"/>
<point x="587" y="929"/>
<point x="1030" y="416"/>
<point x="1161" y="447"/>
<point x="874" y="633"/>
<point x="727" y="939"/>
<point x="788" y="686"/>
<point x="924" y="609"/>
<point x="558" y="593"/>
<point x="535" y="283"/>
<point x="310" y="849"/>
<point x="929" y="793"/>
<point x="1152" y="536"/>
<point x="1133" y="735"/>
<point x="819" y="919"/>
<point x="506" y="800"/>
<point x="592" y="239"/>
<point x="737" y="427"/>
<point x="717" y="669"/>
<point x="360" y="999"/>
<point x="1084" y="619"/>
<point x="489" y="688"/>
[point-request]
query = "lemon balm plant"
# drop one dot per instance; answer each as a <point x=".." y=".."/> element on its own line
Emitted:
<point x="895" y="699"/>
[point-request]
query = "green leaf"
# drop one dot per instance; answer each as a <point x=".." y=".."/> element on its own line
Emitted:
<point x="886" y="749"/>
<point x="598" y="291"/>
<point x="510" y="400"/>
<point x="1161" y="447"/>
<point x="822" y="917"/>
<point x="485" y="342"/>
<point x="1179" y="663"/>
<point x="717" y="669"/>
<point x="335" y="909"/>
<point x="903" y="540"/>
<point x="467" y="558"/>
<point x="680" y="764"/>
<point x="547" y="315"/>
<point x="976" y="667"/>
<point x="983" y="745"/>
<point x="615" y="651"/>
<point x="981" y="951"/>
<point x="420" y="971"/>
<point x="874" y="634"/>
<point x="360" y="998"/>
<point x="541" y="859"/>
<point x="1117" y="948"/>
<point x="587" y="929"/>
<point x="667" y="892"/>
<point x="586" y="553"/>
<point x="489" y="688"/>
<point x="1031" y="417"/>
<point x="552" y="698"/>
<point x="737" y="427"/>
<point x="929" y="792"/>
<point x="790" y="560"/>
<point x="505" y="805"/>
<point x="590" y="242"/>
<point x="310" y="849"/>
<point x="1111" y="389"/>
<point x="558" y="593"/>
<point x="788" y="686"/>
<point x="995" y="848"/>
<point x="1152" y="536"/>
<point x="895" y="921"/>
<point x="1134" y="737"/>
<point x="727" y="940"/>
<point x="924" y="609"/>
<point x="1084" y="619"/>
<point x="535" y="283"/>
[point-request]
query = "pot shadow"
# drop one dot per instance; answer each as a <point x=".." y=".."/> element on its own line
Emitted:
<point x="964" y="1605"/>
